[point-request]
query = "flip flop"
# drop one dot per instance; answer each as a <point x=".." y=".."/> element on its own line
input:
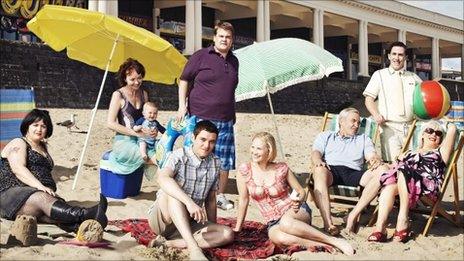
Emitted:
<point x="377" y="237"/>
<point x="402" y="236"/>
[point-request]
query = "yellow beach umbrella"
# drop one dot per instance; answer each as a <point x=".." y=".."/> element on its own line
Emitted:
<point x="105" y="42"/>
<point x="89" y="37"/>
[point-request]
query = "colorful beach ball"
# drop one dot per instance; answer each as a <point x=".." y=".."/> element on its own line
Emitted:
<point x="430" y="100"/>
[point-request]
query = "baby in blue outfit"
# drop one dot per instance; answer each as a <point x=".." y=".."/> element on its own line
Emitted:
<point x="148" y="121"/>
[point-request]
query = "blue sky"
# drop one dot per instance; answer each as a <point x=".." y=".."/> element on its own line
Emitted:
<point x="447" y="7"/>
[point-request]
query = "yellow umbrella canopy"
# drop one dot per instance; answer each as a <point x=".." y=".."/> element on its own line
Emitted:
<point x="89" y="37"/>
<point x="105" y="42"/>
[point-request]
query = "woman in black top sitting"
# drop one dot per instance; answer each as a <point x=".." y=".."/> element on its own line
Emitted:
<point x="26" y="183"/>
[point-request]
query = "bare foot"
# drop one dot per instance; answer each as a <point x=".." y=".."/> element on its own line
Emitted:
<point x="344" y="246"/>
<point x="321" y="247"/>
<point x="352" y="225"/>
<point x="197" y="254"/>
<point x="402" y="224"/>
<point x="157" y="242"/>
<point x="333" y="230"/>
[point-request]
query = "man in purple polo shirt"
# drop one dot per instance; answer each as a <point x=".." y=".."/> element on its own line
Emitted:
<point x="206" y="90"/>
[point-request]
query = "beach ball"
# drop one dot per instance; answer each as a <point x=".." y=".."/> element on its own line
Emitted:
<point x="431" y="100"/>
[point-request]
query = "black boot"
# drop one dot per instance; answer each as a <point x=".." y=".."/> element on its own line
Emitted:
<point x="69" y="227"/>
<point x="97" y="210"/>
<point x="70" y="217"/>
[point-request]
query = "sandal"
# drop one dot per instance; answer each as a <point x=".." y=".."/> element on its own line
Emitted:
<point x="377" y="237"/>
<point x="402" y="236"/>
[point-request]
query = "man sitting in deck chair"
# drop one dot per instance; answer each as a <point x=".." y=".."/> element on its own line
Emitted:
<point x="338" y="159"/>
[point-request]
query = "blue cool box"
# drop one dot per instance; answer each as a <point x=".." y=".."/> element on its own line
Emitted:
<point x="119" y="186"/>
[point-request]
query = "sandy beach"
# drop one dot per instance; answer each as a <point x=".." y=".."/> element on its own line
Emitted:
<point x="445" y="241"/>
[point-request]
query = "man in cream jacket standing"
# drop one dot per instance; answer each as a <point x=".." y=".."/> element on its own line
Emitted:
<point x="388" y="98"/>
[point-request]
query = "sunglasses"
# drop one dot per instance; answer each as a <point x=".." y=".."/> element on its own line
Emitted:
<point x="439" y="133"/>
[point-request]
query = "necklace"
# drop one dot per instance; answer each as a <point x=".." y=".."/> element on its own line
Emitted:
<point x="40" y="148"/>
<point x="37" y="147"/>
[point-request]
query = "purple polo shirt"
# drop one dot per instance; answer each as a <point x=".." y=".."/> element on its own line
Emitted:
<point x="212" y="82"/>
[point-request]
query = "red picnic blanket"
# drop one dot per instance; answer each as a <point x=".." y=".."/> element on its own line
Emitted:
<point x="251" y="243"/>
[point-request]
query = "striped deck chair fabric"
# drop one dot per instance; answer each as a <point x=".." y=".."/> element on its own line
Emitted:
<point x="14" y="105"/>
<point x="456" y="114"/>
<point x="369" y="127"/>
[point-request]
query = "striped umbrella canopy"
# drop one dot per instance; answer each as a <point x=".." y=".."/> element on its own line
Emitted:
<point x="270" y="66"/>
<point x="273" y="65"/>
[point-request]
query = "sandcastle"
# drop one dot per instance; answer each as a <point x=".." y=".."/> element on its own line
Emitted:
<point x="24" y="229"/>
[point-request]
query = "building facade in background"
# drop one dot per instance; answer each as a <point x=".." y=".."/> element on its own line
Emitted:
<point x="358" y="32"/>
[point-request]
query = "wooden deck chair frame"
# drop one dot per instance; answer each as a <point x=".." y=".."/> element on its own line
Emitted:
<point x="340" y="193"/>
<point x="450" y="172"/>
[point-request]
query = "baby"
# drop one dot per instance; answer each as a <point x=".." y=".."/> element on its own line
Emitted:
<point x="148" y="121"/>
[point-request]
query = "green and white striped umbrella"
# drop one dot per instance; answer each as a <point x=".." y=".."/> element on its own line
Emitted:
<point x="270" y="66"/>
<point x="273" y="65"/>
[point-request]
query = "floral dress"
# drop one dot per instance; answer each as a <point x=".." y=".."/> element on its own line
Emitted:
<point x="423" y="173"/>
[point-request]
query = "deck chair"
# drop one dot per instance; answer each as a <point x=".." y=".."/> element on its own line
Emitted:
<point x="434" y="208"/>
<point x="14" y="105"/>
<point x="340" y="193"/>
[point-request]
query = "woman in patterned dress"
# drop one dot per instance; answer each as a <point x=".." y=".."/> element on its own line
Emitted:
<point x="415" y="174"/>
<point x="268" y="183"/>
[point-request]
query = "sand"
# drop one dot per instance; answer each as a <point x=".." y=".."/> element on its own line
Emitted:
<point x="444" y="242"/>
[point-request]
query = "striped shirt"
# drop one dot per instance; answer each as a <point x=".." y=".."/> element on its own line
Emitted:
<point x="196" y="177"/>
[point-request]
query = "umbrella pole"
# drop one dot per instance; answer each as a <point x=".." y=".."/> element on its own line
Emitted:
<point x="279" y="141"/>
<point x="94" y="112"/>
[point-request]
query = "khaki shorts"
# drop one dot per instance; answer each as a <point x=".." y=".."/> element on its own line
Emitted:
<point x="392" y="139"/>
<point x="169" y="230"/>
